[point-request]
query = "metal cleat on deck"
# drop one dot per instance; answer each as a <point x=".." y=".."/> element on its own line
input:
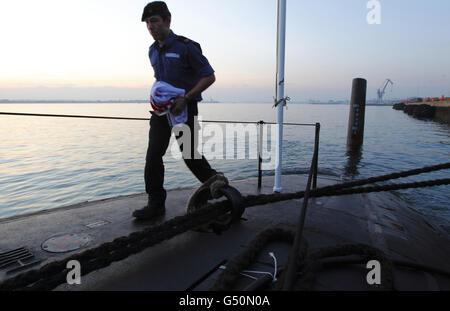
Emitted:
<point x="215" y="188"/>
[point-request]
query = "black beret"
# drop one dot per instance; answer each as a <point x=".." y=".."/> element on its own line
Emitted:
<point x="155" y="8"/>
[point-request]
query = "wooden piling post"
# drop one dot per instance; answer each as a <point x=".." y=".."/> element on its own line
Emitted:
<point x="355" y="133"/>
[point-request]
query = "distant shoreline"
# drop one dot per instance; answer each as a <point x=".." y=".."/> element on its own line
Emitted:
<point x="6" y="101"/>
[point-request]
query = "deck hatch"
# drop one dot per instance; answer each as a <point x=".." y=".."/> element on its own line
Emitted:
<point x="66" y="243"/>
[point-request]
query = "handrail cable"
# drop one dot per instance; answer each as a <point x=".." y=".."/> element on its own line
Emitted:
<point x="136" y="119"/>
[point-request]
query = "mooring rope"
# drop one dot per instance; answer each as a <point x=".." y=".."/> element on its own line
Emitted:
<point x="310" y="262"/>
<point x="54" y="274"/>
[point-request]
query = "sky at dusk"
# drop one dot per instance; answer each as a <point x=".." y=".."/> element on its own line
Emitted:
<point x="98" y="49"/>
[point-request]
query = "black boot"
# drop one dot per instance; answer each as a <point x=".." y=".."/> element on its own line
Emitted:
<point x="155" y="207"/>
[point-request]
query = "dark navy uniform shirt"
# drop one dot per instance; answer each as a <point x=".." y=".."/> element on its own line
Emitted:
<point x="179" y="62"/>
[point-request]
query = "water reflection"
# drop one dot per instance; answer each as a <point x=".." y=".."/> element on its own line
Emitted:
<point x="354" y="157"/>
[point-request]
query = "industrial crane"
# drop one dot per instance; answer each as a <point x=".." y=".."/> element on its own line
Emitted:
<point x="380" y="91"/>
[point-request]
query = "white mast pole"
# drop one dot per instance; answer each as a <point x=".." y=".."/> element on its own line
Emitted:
<point x="281" y="42"/>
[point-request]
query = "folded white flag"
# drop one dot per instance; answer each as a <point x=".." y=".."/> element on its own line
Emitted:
<point x="161" y="100"/>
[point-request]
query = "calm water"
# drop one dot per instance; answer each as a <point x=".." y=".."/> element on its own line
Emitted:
<point x="52" y="162"/>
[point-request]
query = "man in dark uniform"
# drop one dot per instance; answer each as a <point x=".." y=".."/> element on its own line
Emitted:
<point x="179" y="62"/>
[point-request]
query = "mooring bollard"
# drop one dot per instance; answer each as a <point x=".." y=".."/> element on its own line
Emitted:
<point x="355" y="133"/>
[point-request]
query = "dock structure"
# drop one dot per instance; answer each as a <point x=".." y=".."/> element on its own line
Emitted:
<point x="194" y="259"/>
<point x="434" y="110"/>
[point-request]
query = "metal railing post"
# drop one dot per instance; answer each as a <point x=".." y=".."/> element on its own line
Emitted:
<point x="260" y="142"/>
<point x="316" y="155"/>
<point x="292" y="264"/>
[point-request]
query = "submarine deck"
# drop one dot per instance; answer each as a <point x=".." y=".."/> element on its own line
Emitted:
<point x="377" y="219"/>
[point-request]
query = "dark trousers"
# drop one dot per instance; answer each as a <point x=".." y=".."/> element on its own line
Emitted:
<point x="158" y="142"/>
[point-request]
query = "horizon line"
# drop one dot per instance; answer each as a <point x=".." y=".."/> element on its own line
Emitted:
<point x="93" y="101"/>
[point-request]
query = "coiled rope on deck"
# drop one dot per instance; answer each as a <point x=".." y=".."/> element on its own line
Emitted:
<point x="54" y="274"/>
<point x="310" y="262"/>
